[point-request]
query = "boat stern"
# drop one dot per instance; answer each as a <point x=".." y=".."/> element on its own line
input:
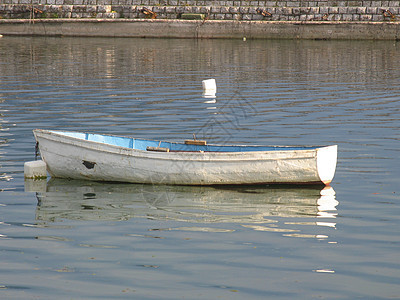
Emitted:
<point x="326" y="163"/>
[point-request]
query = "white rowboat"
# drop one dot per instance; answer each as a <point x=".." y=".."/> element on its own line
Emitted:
<point x="102" y="157"/>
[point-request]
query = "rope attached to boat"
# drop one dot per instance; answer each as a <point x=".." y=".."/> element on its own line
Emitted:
<point x="37" y="150"/>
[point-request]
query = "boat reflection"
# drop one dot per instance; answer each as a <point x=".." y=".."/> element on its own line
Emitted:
<point x="248" y="206"/>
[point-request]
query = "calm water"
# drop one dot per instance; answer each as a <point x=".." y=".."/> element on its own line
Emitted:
<point x="85" y="240"/>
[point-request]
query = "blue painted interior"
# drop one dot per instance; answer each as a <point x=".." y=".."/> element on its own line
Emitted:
<point x="141" y="144"/>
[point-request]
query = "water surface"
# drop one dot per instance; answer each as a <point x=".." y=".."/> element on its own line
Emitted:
<point x="85" y="240"/>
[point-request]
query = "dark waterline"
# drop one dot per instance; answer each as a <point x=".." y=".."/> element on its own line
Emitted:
<point x="85" y="240"/>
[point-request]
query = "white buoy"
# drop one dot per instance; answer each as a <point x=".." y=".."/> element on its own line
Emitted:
<point x="209" y="87"/>
<point x="35" y="169"/>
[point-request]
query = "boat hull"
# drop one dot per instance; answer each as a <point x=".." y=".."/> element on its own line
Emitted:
<point x="70" y="157"/>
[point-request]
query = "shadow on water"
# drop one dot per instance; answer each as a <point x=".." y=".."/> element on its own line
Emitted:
<point x="85" y="200"/>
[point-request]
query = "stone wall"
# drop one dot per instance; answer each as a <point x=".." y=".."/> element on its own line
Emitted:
<point x="328" y="10"/>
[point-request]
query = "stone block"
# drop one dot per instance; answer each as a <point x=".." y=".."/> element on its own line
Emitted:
<point x="323" y="10"/>
<point x="205" y="9"/>
<point x="372" y="10"/>
<point x="352" y="10"/>
<point x="286" y="11"/>
<point x="347" y="17"/>
<point x="118" y="8"/>
<point x="305" y="10"/>
<point x="320" y="17"/>
<point x="253" y="10"/>
<point x="296" y="11"/>
<point x="366" y="17"/>
<point x="293" y="18"/>
<point x="180" y="9"/>
<point x="352" y="3"/>
<point x="158" y="10"/>
<point x="361" y="10"/>
<point x="104" y="8"/>
<point x="224" y="10"/>
<point x="195" y="10"/>
<point x="55" y="9"/>
<point x="234" y="10"/>
<point x="66" y="8"/>
<point x="215" y="10"/>
<point x="377" y="18"/>
<point x="79" y="8"/>
<point x="170" y="10"/>
<point x="257" y="17"/>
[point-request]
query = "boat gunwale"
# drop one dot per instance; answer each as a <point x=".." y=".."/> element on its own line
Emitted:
<point x="167" y="155"/>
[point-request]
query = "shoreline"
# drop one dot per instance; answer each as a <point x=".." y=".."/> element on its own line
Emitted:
<point x="202" y="29"/>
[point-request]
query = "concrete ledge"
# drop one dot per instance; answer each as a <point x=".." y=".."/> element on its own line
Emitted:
<point x="202" y="29"/>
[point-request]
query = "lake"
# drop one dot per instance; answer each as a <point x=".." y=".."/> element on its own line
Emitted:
<point x="88" y="240"/>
